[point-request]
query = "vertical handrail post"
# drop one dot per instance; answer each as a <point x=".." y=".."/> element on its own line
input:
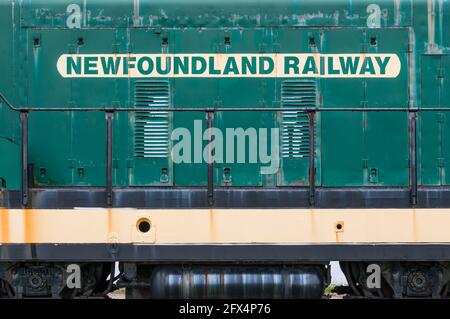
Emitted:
<point x="24" y="124"/>
<point x="413" y="155"/>
<point x="209" y="125"/>
<point x="312" y="163"/>
<point x="109" y="159"/>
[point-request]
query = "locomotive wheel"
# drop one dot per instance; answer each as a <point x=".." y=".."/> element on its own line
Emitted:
<point x="399" y="279"/>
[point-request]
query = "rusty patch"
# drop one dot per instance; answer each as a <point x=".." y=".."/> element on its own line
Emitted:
<point x="212" y="227"/>
<point x="4" y="219"/>
<point x="339" y="226"/>
<point x="339" y="230"/>
<point x="29" y="230"/>
<point x="110" y="220"/>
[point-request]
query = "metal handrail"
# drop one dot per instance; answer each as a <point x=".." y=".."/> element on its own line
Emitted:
<point x="209" y="111"/>
<point x="224" y="109"/>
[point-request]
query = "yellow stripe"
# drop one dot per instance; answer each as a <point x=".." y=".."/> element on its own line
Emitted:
<point x="203" y="226"/>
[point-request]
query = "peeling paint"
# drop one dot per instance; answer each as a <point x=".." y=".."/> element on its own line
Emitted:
<point x="441" y="18"/>
<point x="396" y="12"/>
<point x="431" y="26"/>
<point x="84" y="12"/>
<point x="212" y="226"/>
<point x="151" y="14"/>
<point x="164" y="15"/>
<point x="136" y="16"/>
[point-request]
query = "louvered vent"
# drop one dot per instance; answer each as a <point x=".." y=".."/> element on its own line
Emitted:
<point x="295" y="125"/>
<point x="151" y="130"/>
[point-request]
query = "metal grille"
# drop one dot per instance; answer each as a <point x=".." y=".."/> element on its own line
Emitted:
<point x="295" y="137"/>
<point x="151" y="129"/>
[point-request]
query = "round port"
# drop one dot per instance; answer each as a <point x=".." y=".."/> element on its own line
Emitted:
<point x="144" y="225"/>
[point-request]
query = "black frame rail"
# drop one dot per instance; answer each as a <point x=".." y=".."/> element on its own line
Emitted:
<point x="109" y="115"/>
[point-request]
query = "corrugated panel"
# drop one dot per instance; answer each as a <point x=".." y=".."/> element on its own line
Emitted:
<point x="151" y="129"/>
<point x="295" y="125"/>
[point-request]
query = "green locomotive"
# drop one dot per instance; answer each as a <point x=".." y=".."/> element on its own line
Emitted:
<point x="224" y="148"/>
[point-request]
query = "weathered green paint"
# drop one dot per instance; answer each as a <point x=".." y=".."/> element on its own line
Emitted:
<point x="435" y="126"/>
<point x="352" y="148"/>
